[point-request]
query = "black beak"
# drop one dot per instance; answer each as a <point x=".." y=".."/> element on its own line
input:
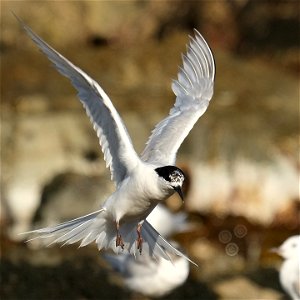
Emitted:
<point x="179" y="191"/>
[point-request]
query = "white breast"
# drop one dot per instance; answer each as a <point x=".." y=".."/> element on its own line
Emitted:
<point x="137" y="195"/>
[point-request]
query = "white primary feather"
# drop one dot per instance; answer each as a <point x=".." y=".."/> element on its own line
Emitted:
<point x="116" y="144"/>
<point x="194" y="89"/>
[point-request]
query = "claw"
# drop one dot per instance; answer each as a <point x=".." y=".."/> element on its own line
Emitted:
<point x="140" y="244"/>
<point x="119" y="240"/>
<point x="139" y="239"/>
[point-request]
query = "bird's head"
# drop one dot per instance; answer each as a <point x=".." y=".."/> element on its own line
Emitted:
<point x="290" y="248"/>
<point x="172" y="178"/>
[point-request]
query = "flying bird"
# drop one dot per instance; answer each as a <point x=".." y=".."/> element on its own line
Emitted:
<point x="141" y="181"/>
<point x="289" y="274"/>
<point x="148" y="276"/>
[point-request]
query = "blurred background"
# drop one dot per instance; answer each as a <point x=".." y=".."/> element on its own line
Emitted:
<point x="241" y="158"/>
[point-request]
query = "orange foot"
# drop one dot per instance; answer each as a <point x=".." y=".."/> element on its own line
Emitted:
<point x="140" y="244"/>
<point x="119" y="241"/>
<point x="139" y="240"/>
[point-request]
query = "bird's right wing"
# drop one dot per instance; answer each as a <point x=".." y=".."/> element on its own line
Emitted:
<point x="193" y="90"/>
<point x="114" y="139"/>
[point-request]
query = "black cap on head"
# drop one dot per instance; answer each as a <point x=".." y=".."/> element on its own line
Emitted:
<point x="166" y="171"/>
<point x="174" y="176"/>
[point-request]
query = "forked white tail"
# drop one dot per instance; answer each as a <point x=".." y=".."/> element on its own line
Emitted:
<point x="98" y="227"/>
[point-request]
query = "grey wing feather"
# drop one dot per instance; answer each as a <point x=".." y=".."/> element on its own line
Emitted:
<point x="116" y="145"/>
<point x="193" y="90"/>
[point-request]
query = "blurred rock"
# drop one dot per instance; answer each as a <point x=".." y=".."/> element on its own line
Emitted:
<point x="214" y="19"/>
<point x="90" y="21"/>
<point x="72" y="279"/>
<point x="69" y="196"/>
<point x="244" y="25"/>
<point x="241" y="287"/>
<point x="288" y="216"/>
<point x="214" y="261"/>
<point x="245" y="187"/>
<point x="44" y="145"/>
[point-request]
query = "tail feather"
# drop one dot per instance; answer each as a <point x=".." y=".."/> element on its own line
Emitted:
<point x="98" y="227"/>
<point x="68" y="232"/>
<point x="100" y="240"/>
<point x="151" y="239"/>
<point x="74" y="235"/>
<point x="62" y="227"/>
<point x="161" y="242"/>
<point x="77" y="235"/>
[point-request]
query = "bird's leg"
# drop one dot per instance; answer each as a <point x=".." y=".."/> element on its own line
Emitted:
<point x="139" y="239"/>
<point x="119" y="240"/>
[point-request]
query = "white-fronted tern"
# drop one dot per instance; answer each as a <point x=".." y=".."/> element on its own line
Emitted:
<point x="289" y="274"/>
<point x="141" y="181"/>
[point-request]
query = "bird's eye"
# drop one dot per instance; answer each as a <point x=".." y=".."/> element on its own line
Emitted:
<point x="174" y="175"/>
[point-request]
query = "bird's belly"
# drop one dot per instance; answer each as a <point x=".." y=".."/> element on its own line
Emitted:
<point x="136" y="197"/>
<point x="132" y="208"/>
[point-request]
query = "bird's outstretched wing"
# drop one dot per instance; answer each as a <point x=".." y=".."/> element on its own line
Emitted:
<point x="117" y="147"/>
<point x="194" y="89"/>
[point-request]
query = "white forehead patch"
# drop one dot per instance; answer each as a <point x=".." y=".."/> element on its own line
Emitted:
<point x="176" y="178"/>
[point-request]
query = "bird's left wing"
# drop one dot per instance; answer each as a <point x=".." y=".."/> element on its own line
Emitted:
<point x="114" y="139"/>
<point x="194" y="89"/>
